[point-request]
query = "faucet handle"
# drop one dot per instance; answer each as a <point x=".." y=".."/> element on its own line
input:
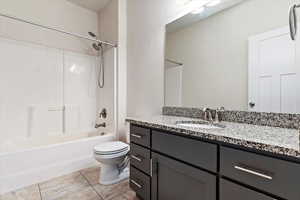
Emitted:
<point x="217" y="117"/>
<point x="210" y="118"/>
<point x="103" y="113"/>
<point x="205" y="113"/>
<point x="221" y="109"/>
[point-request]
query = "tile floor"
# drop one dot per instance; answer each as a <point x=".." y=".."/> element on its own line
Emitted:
<point x="81" y="185"/>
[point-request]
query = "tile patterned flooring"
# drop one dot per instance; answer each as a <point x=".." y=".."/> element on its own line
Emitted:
<point x="81" y="185"/>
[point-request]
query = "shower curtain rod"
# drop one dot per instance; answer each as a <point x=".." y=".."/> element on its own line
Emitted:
<point x="57" y="30"/>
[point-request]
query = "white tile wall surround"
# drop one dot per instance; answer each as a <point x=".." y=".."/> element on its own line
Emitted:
<point x="37" y="83"/>
<point x="80" y="90"/>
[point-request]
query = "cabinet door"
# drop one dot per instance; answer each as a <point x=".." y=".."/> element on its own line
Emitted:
<point x="174" y="180"/>
<point x="231" y="191"/>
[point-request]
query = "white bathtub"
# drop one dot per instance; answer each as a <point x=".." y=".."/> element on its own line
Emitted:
<point x="33" y="161"/>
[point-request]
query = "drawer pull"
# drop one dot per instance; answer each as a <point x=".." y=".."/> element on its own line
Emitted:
<point x="136" y="136"/>
<point x="151" y="167"/>
<point x="136" y="158"/>
<point x="136" y="184"/>
<point x="253" y="172"/>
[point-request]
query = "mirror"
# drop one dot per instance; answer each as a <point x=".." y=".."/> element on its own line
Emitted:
<point x="233" y="53"/>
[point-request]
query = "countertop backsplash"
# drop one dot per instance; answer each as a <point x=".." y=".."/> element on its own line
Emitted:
<point x="282" y="120"/>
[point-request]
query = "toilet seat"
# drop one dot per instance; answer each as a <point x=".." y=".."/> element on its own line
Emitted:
<point x="114" y="149"/>
<point x="111" y="156"/>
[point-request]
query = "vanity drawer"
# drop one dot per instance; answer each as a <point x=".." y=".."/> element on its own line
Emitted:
<point x="229" y="189"/>
<point x="274" y="176"/>
<point x="192" y="151"/>
<point x="140" y="135"/>
<point x="140" y="158"/>
<point x="140" y="183"/>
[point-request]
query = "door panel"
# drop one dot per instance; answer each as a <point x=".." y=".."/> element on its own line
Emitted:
<point x="175" y="180"/>
<point x="173" y="86"/>
<point x="274" y="76"/>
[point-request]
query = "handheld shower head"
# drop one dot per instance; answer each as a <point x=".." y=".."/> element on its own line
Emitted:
<point x="96" y="47"/>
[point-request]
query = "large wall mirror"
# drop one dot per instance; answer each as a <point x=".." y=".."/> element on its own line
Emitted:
<point x="234" y="53"/>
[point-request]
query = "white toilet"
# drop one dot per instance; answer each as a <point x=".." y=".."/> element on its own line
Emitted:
<point x="114" y="161"/>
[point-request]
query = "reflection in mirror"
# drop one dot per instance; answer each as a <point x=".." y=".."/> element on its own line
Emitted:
<point x="234" y="53"/>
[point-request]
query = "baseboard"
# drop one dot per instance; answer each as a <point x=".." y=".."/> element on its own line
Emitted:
<point x="13" y="182"/>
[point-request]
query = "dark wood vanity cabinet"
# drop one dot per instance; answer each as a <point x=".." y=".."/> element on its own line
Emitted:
<point x="232" y="191"/>
<point x="278" y="177"/>
<point x="167" y="166"/>
<point x="175" y="180"/>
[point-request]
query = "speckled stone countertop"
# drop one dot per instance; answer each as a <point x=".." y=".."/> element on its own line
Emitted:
<point x="275" y="140"/>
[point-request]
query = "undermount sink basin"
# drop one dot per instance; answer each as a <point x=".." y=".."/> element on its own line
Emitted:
<point x="199" y="124"/>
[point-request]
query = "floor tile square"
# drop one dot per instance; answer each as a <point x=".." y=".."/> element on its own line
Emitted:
<point x="28" y="193"/>
<point x="86" y="193"/>
<point x="129" y="195"/>
<point x="112" y="192"/>
<point x="73" y="186"/>
<point x="92" y="175"/>
<point x="82" y="185"/>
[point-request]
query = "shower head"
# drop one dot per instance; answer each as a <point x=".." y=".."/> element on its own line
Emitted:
<point x="92" y="34"/>
<point x="96" y="47"/>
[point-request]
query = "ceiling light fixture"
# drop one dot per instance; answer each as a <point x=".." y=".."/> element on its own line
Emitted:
<point x="213" y="3"/>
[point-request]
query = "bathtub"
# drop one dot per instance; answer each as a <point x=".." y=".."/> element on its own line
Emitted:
<point x="27" y="162"/>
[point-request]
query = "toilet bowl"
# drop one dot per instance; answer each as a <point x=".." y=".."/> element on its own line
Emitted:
<point x="113" y="159"/>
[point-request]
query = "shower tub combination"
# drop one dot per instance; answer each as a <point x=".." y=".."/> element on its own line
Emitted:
<point x="49" y="111"/>
<point x="62" y="155"/>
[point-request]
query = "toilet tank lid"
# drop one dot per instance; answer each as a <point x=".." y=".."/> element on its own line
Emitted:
<point x="115" y="146"/>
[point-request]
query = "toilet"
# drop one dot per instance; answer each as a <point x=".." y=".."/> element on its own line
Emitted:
<point x="113" y="157"/>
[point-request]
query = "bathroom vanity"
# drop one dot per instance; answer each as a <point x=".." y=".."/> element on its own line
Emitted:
<point x="225" y="57"/>
<point x="241" y="161"/>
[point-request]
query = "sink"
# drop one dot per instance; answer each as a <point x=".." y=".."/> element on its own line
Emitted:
<point x="199" y="124"/>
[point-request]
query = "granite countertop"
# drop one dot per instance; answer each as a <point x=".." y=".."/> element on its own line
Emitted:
<point x="280" y="141"/>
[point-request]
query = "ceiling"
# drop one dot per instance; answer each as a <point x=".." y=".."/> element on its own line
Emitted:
<point x="189" y="19"/>
<point x="94" y="5"/>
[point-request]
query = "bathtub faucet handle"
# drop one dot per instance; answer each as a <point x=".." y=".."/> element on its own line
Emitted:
<point x="103" y="113"/>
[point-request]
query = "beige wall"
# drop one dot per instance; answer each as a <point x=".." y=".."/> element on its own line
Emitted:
<point x="145" y="73"/>
<point x="56" y="13"/>
<point x="108" y="22"/>
<point x="215" y="52"/>
<point x="122" y="72"/>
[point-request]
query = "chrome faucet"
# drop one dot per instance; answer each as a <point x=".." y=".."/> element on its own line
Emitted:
<point x="207" y="115"/>
<point x="100" y="125"/>
<point x="217" y="117"/>
<point x="102" y="115"/>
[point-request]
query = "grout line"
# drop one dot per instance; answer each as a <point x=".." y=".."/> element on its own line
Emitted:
<point x="40" y="191"/>
<point x="91" y="185"/>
